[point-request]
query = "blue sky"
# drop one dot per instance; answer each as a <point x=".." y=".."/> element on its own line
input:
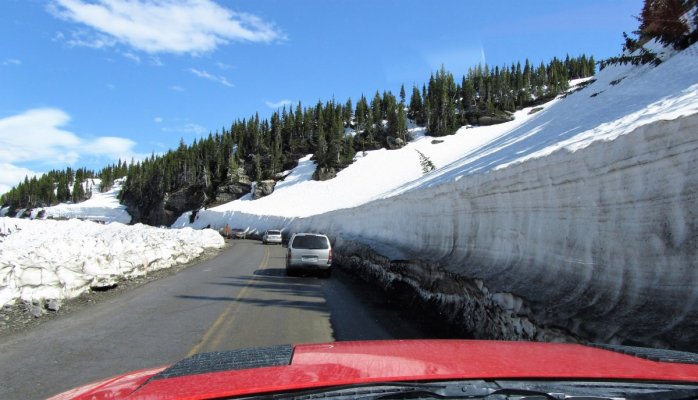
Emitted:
<point x="83" y="83"/>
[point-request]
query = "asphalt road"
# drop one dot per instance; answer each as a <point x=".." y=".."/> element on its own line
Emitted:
<point x="239" y="299"/>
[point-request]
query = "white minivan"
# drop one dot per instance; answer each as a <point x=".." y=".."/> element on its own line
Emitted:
<point x="309" y="251"/>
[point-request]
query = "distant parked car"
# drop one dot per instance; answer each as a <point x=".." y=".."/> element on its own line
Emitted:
<point x="238" y="233"/>
<point x="310" y="251"/>
<point x="272" y="236"/>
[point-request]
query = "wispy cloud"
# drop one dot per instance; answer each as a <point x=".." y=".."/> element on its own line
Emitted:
<point x="12" y="61"/>
<point x="37" y="135"/>
<point x="278" y="104"/>
<point x="83" y="38"/>
<point x="194" y="128"/>
<point x="187" y="128"/>
<point x="157" y="120"/>
<point x="216" y="78"/>
<point x="155" y="61"/>
<point x="224" y="66"/>
<point x="162" y="26"/>
<point x="132" y="57"/>
<point x="177" y="88"/>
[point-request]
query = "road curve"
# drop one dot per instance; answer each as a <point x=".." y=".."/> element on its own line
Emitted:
<point x="239" y="299"/>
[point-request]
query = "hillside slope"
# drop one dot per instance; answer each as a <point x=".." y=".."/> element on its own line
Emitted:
<point x="584" y="212"/>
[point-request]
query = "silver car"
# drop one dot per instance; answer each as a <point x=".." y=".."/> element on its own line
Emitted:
<point x="310" y="251"/>
<point x="271" y="236"/>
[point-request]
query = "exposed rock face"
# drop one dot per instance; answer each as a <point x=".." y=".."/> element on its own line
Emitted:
<point x="193" y="197"/>
<point x="166" y="210"/>
<point x="229" y="192"/>
<point x="264" y="188"/>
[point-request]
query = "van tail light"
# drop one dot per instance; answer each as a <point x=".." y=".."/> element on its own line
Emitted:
<point x="329" y="257"/>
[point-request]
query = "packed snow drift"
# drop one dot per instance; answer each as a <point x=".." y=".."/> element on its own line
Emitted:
<point x="54" y="260"/>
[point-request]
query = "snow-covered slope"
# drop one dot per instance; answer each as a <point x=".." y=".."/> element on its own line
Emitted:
<point x="102" y="207"/>
<point x="585" y="210"/>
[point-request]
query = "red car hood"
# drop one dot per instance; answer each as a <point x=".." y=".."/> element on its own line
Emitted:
<point x="283" y="368"/>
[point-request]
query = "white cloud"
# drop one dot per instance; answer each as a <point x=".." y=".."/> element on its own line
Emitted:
<point x="157" y="120"/>
<point x="12" y="175"/>
<point x="278" y="104"/>
<point x="163" y="26"/>
<point x="177" y="88"/>
<point x="216" y="78"/>
<point x="12" y="61"/>
<point x="36" y="136"/>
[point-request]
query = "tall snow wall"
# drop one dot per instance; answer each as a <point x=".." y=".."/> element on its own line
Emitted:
<point x="602" y="242"/>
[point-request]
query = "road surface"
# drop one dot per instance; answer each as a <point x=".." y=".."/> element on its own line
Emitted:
<point x="239" y="299"/>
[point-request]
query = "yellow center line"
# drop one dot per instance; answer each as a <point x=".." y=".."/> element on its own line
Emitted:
<point x="228" y="313"/>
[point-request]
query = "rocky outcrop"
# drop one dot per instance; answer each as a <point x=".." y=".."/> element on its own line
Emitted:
<point x="230" y="192"/>
<point x="494" y="119"/>
<point x="166" y="210"/>
<point x="324" y="174"/>
<point x="263" y="188"/>
<point x="394" y="143"/>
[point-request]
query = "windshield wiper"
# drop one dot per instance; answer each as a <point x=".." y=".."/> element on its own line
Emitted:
<point x="460" y="391"/>
<point x="490" y="390"/>
<point x="675" y="394"/>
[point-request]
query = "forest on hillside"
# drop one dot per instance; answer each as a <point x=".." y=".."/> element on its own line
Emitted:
<point x="255" y="149"/>
<point x="223" y="165"/>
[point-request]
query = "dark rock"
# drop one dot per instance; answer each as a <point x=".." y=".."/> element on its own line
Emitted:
<point x="232" y="191"/>
<point x="394" y="143"/>
<point x="239" y="176"/>
<point x="436" y="141"/>
<point x="493" y="119"/>
<point x="324" y="174"/>
<point x="54" y="304"/>
<point x="36" y="311"/>
<point x="264" y="188"/>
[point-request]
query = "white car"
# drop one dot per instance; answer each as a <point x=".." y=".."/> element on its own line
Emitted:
<point x="272" y="236"/>
<point x="310" y="251"/>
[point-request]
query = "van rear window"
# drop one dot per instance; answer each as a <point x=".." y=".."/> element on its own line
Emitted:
<point x="310" y="242"/>
<point x="274" y="232"/>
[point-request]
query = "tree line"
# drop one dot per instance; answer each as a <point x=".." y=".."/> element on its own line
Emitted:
<point x="333" y="132"/>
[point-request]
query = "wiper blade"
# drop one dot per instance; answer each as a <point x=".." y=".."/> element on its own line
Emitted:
<point x="489" y="390"/>
<point x="462" y="390"/>
<point x="675" y="394"/>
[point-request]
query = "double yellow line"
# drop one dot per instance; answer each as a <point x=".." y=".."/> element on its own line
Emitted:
<point x="214" y="335"/>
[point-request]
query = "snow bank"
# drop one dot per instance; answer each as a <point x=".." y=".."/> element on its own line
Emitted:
<point x="585" y="211"/>
<point x="62" y="259"/>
